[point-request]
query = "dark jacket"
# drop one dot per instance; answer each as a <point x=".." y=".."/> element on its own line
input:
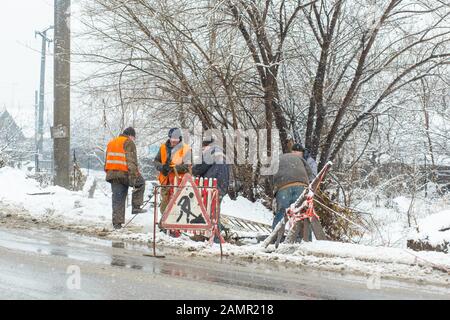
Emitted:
<point x="292" y="169"/>
<point x="214" y="166"/>
<point x="127" y="178"/>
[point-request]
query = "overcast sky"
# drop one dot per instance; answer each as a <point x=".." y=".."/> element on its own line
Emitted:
<point x="20" y="55"/>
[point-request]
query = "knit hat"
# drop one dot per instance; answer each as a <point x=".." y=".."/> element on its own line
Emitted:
<point x="298" y="147"/>
<point x="175" y="133"/>
<point x="207" y="140"/>
<point x="130" y="132"/>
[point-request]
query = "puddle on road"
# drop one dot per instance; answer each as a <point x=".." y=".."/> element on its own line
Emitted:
<point x="124" y="255"/>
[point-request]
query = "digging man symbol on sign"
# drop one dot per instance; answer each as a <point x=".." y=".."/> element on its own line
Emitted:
<point x="185" y="208"/>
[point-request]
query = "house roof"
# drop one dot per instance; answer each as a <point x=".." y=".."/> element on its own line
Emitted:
<point x="8" y="126"/>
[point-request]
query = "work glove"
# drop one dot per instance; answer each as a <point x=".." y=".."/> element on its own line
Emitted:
<point x="139" y="182"/>
<point x="165" y="170"/>
<point x="182" y="168"/>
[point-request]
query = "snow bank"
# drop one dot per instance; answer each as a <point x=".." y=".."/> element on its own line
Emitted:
<point x="58" y="204"/>
<point x="14" y="183"/>
<point x="435" y="222"/>
<point x="375" y="254"/>
<point x="330" y="253"/>
<point x="388" y="263"/>
<point x="389" y="221"/>
<point x="434" y="229"/>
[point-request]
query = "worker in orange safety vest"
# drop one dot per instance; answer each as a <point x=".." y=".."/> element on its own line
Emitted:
<point x="122" y="171"/>
<point x="173" y="161"/>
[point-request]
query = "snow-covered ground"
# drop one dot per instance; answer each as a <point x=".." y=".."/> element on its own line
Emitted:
<point x="384" y="252"/>
<point x="434" y="229"/>
<point x="391" y="226"/>
<point x="242" y="208"/>
<point x="60" y="205"/>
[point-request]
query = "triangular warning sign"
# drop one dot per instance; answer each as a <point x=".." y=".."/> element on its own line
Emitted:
<point x="186" y="210"/>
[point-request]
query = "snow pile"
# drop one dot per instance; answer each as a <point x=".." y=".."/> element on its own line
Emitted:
<point x="14" y="183"/>
<point x="439" y="221"/>
<point x="434" y="229"/>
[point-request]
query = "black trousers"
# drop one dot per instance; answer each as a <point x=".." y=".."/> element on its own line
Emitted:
<point x="119" y="198"/>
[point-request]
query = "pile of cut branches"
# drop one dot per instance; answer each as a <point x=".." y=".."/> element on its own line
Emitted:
<point x="339" y="223"/>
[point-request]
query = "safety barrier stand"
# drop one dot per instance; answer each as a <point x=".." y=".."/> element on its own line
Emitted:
<point x="194" y="207"/>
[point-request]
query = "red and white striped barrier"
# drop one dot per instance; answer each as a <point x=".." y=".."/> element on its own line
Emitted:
<point x="196" y="197"/>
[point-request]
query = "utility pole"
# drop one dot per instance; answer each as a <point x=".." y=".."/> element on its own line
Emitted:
<point x="61" y="113"/>
<point x="36" y="131"/>
<point x="40" y="121"/>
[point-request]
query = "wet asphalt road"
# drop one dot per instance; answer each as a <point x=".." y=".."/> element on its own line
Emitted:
<point x="44" y="264"/>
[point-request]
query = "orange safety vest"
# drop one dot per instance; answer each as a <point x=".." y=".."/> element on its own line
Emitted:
<point x="116" y="158"/>
<point x="177" y="159"/>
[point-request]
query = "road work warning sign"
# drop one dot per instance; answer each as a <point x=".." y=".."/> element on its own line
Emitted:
<point x="186" y="209"/>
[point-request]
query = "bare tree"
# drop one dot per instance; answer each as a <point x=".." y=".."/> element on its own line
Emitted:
<point x="341" y="72"/>
<point x="364" y="63"/>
